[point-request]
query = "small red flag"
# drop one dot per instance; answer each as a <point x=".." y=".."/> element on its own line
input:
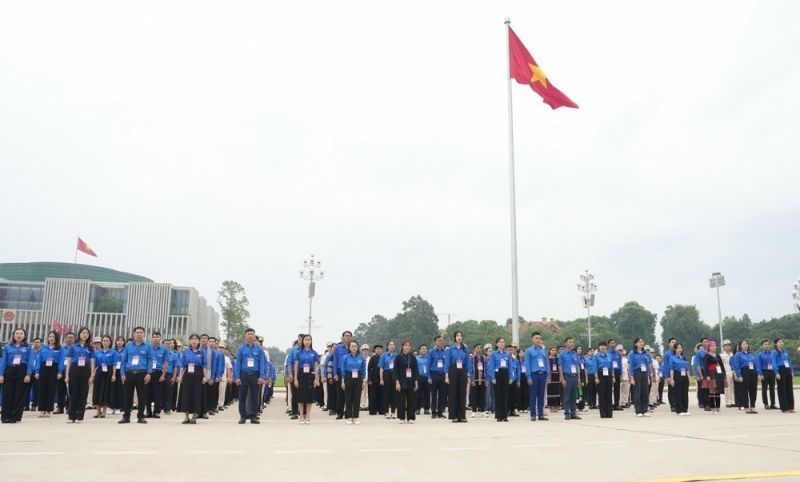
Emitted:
<point x="84" y="248"/>
<point x="60" y="329"/>
<point x="525" y="70"/>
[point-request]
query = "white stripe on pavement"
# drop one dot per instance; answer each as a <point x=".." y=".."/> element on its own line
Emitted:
<point x="607" y="442"/>
<point x="124" y="452"/>
<point x="303" y="451"/>
<point x="15" y="454"/>
<point x="385" y="450"/>
<point x="533" y="446"/>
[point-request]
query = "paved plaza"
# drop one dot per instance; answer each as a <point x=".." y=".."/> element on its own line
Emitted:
<point x="622" y="449"/>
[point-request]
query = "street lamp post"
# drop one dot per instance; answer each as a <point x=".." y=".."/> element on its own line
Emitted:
<point x="717" y="280"/>
<point x="796" y="295"/>
<point x="588" y="287"/>
<point x="312" y="273"/>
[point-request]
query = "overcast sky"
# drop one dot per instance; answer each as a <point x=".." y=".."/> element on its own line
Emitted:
<point x="197" y="142"/>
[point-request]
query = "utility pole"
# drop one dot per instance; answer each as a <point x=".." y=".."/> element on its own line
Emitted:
<point x="588" y="287"/>
<point x="312" y="273"/>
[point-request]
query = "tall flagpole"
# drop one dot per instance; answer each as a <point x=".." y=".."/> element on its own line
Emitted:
<point x="512" y="189"/>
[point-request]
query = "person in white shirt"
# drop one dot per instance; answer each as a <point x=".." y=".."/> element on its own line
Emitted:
<point x="727" y="356"/>
<point x="225" y="379"/>
<point x="625" y="386"/>
<point x="364" y="395"/>
<point x="654" y="385"/>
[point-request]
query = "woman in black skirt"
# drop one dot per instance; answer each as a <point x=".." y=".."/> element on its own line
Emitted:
<point x="553" y="382"/>
<point x="305" y="367"/>
<point x="714" y="378"/>
<point x="80" y="373"/>
<point x="191" y="379"/>
<point x="104" y="359"/>
<point x="51" y="359"/>
<point x="117" y="391"/>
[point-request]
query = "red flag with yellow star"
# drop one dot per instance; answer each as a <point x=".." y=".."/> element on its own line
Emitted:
<point x="526" y="71"/>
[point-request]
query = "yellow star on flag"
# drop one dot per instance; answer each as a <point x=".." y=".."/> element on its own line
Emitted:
<point x="538" y="75"/>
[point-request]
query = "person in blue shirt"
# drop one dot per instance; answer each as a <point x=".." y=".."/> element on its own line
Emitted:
<point x="514" y="388"/>
<point x="104" y="367"/>
<point x="79" y="373"/>
<point x="290" y="385"/>
<point x="538" y="368"/>
<point x="591" y="374"/>
<point x="477" y="390"/>
<point x="697" y="369"/>
<point x="500" y="374"/>
<point x="16" y="366"/>
<point x="135" y="369"/>
<point x="424" y="391"/>
<point x="604" y="379"/>
<point x="640" y="372"/>
<point x="339" y="352"/>
<point x="306" y="362"/>
<point x="782" y="364"/>
<point x="352" y="372"/>
<point x="746" y="373"/>
<point x="191" y="378"/>
<point x="33" y="386"/>
<point x="171" y="375"/>
<point x="436" y="376"/>
<point x="386" y="366"/>
<point x="406" y="376"/>
<point x="250" y="372"/>
<point x="458" y="375"/>
<point x="158" y="371"/>
<point x="117" y="391"/>
<point x="665" y="371"/>
<point x="568" y="374"/>
<point x="768" y="376"/>
<point x="678" y="373"/>
<point x="374" y="388"/>
<point x="49" y="370"/>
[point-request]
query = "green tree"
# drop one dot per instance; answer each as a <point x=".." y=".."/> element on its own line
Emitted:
<point x="233" y="304"/>
<point x="632" y="320"/>
<point x="485" y="331"/>
<point x="276" y="356"/>
<point x="682" y="322"/>
<point x="733" y="329"/>
<point x="417" y="323"/>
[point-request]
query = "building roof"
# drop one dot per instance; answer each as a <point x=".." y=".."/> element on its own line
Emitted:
<point x="40" y="271"/>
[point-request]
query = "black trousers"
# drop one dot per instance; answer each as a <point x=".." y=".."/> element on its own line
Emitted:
<point x="63" y="395"/>
<point x="210" y="396"/>
<point x="524" y="394"/>
<point x="680" y="394"/>
<point x="513" y="398"/>
<point x="332" y="391"/>
<point x="389" y="393"/>
<point x="702" y="397"/>
<point x="617" y="381"/>
<point x="457" y="398"/>
<point x="640" y="391"/>
<point x="352" y="397"/>
<point x="158" y="393"/>
<point x="248" y="395"/>
<point x="295" y="392"/>
<point x="749" y="387"/>
<point x="15" y="391"/>
<point x="785" y="389"/>
<point x="169" y="390"/>
<point x="79" y="390"/>
<point x="340" y="398"/>
<point x="605" y="389"/>
<point x="660" y="398"/>
<point x="591" y="391"/>
<point x="135" y="381"/>
<point x="768" y="385"/>
<point x="423" y="394"/>
<point x="501" y="393"/>
<point x="406" y="404"/>
<point x="438" y="393"/>
<point x="48" y="386"/>
<point x="373" y="397"/>
<point x="671" y="396"/>
<point x="477" y="397"/>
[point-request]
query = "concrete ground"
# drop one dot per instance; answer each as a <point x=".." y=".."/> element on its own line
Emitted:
<point x="701" y="447"/>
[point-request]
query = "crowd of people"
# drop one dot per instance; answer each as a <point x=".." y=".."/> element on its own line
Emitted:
<point x="203" y="378"/>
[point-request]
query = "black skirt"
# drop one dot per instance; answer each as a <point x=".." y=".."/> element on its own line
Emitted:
<point x="117" y="394"/>
<point x="191" y="392"/>
<point x="305" y="394"/>
<point x="101" y="392"/>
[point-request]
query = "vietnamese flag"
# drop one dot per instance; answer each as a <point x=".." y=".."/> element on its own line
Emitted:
<point x="526" y="71"/>
<point x="84" y="248"/>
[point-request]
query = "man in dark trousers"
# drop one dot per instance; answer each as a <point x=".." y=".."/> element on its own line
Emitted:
<point x="339" y="352"/>
<point x="374" y="391"/>
<point x="436" y="360"/>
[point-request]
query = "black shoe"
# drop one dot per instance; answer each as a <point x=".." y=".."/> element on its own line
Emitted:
<point x="293" y="417"/>
<point x="255" y="421"/>
<point x="533" y="419"/>
<point x="575" y="417"/>
<point x="773" y="407"/>
<point x="125" y="420"/>
<point x="543" y="418"/>
<point x="427" y="412"/>
<point x="141" y="420"/>
<point x="338" y="417"/>
<point x="242" y="421"/>
<point x="186" y="422"/>
<point x="707" y="409"/>
<point x="203" y="416"/>
<point x="155" y="416"/>
<point x="617" y="409"/>
<point x="499" y="420"/>
<point x="505" y="420"/>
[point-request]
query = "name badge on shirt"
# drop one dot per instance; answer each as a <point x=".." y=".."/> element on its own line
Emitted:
<point x="251" y="362"/>
<point x="439" y="364"/>
<point x="643" y="367"/>
<point x="190" y="368"/>
<point x="683" y="372"/>
<point x="459" y="364"/>
<point x="81" y="361"/>
<point x="135" y="360"/>
<point x="408" y="373"/>
<point x="540" y="363"/>
<point x="769" y="366"/>
<point x="104" y="367"/>
<point x="17" y="360"/>
<point x="354" y="373"/>
<point x="605" y="371"/>
<point x="480" y="366"/>
<point x="719" y="369"/>
<point x="154" y="364"/>
<point x="750" y="365"/>
<point x="49" y="362"/>
<point x="391" y="365"/>
<point x="119" y="365"/>
<point x="424" y="368"/>
<point x="555" y="368"/>
<point x="786" y="363"/>
<point x="572" y="369"/>
<point x="502" y="363"/>
<point x="522" y="368"/>
<point x="306" y="368"/>
<point x="614" y="364"/>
